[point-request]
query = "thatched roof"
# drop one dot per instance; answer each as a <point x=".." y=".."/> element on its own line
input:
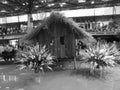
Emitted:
<point x="55" y="19"/>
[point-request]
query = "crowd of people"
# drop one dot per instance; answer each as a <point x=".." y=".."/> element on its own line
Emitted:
<point x="11" y="30"/>
<point x="105" y="29"/>
<point x="92" y="27"/>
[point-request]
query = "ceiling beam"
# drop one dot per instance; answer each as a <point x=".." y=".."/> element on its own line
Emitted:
<point x="16" y="2"/>
<point x="6" y="6"/>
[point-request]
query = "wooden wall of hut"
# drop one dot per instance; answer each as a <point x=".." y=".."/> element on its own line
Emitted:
<point x="70" y="44"/>
<point x="59" y="40"/>
<point x="44" y="38"/>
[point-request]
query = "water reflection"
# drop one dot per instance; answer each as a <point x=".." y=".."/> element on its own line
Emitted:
<point x="38" y="80"/>
<point x="7" y="87"/>
<point x="8" y="78"/>
<point x="21" y="89"/>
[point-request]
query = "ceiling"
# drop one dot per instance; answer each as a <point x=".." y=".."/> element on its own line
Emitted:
<point x="18" y="7"/>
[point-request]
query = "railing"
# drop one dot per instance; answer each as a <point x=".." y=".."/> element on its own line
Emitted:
<point x="103" y="33"/>
<point x="11" y="31"/>
<point x="110" y="31"/>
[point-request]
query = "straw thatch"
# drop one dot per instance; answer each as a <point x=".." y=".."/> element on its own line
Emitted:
<point x="58" y="19"/>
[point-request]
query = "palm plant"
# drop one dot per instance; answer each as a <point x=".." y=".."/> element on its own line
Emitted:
<point x="36" y="57"/>
<point x="100" y="55"/>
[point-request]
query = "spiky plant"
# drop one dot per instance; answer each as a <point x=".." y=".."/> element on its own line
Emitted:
<point x="100" y="55"/>
<point x="36" y="57"/>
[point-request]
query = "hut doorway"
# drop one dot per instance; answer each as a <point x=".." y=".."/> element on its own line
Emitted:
<point x="59" y="47"/>
<point x="62" y="47"/>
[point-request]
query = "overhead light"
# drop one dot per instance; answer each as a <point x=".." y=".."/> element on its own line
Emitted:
<point x="37" y="6"/>
<point x="4" y="2"/>
<point x="16" y="8"/>
<point x="43" y="1"/>
<point x="3" y="11"/>
<point x="81" y="1"/>
<point x="26" y="3"/>
<point x="52" y="4"/>
<point x="62" y="4"/>
<point x="23" y="4"/>
<point x="92" y="2"/>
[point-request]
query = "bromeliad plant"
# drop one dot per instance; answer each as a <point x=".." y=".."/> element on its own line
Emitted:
<point x="100" y="55"/>
<point x="37" y="58"/>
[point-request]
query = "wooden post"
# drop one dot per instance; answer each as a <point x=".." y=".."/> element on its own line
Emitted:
<point x="74" y="51"/>
<point x="75" y="63"/>
<point x="30" y="23"/>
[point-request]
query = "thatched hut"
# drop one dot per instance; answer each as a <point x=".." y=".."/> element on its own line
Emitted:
<point x="59" y="34"/>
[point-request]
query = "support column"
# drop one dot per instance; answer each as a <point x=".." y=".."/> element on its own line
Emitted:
<point x="29" y="23"/>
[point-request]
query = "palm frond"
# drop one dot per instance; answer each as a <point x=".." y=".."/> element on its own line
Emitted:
<point x="36" y="57"/>
<point x="101" y="54"/>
